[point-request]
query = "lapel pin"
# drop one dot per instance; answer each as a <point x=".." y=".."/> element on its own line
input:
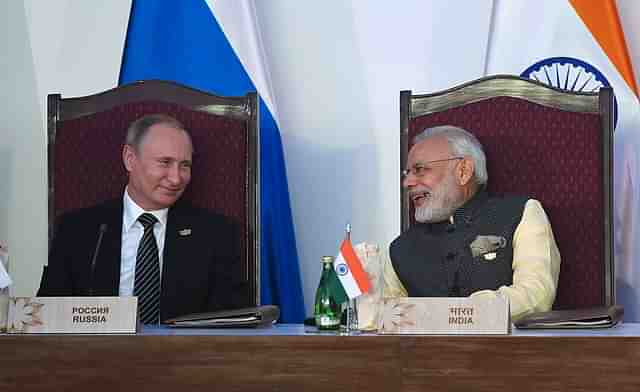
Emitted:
<point x="184" y="232"/>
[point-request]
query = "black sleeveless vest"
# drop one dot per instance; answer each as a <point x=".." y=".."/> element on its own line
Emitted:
<point x="435" y="259"/>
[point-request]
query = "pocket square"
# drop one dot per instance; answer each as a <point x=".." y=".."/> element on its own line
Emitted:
<point x="184" y="232"/>
<point x="490" y="256"/>
<point x="487" y="245"/>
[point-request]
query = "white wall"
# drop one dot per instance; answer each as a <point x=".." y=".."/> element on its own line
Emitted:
<point x="21" y="147"/>
<point x="629" y="12"/>
<point x="72" y="47"/>
<point x="626" y="170"/>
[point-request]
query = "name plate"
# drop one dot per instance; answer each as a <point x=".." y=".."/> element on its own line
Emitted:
<point x="72" y="315"/>
<point x="454" y="316"/>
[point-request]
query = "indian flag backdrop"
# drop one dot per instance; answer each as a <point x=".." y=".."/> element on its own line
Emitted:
<point x="580" y="45"/>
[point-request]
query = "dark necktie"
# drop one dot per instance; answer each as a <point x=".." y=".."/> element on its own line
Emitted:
<point x="147" y="276"/>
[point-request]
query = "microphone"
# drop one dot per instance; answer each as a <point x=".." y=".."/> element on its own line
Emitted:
<point x="101" y="231"/>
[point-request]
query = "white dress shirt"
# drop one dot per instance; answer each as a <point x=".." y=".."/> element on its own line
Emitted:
<point x="132" y="231"/>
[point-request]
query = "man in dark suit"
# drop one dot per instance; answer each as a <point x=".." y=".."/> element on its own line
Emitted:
<point x="177" y="259"/>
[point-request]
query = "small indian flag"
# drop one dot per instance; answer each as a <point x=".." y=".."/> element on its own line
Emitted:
<point x="349" y="269"/>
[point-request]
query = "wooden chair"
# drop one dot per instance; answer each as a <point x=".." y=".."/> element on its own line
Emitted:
<point x="552" y="144"/>
<point x="85" y="138"/>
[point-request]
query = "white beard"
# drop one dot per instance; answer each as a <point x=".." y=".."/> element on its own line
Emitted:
<point x="441" y="202"/>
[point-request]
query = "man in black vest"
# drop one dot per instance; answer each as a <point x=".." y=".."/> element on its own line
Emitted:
<point x="466" y="242"/>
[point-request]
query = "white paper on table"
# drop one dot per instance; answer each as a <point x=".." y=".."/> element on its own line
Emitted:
<point x="369" y="304"/>
<point x="5" y="279"/>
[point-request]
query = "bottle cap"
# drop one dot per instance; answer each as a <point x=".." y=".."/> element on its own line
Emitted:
<point x="327" y="259"/>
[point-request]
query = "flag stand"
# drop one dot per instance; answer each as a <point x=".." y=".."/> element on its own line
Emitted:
<point x="351" y="325"/>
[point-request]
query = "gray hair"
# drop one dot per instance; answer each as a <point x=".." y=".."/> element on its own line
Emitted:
<point x="461" y="143"/>
<point x="139" y="128"/>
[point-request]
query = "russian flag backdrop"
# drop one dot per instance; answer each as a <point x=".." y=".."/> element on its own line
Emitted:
<point x="184" y="42"/>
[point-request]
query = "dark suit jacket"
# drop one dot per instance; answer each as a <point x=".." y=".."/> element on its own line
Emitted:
<point x="200" y="271"/>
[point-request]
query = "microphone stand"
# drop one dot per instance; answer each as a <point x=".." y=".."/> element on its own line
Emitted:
<point x="101" y="231"/>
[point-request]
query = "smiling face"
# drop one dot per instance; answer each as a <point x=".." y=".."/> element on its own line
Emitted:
<point x="160" y="168"/>
<point x="435" y="188"/>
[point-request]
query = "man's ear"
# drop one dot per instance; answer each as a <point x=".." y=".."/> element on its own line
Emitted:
<point x="464" y="171"/>
<point x="128" y="156"/>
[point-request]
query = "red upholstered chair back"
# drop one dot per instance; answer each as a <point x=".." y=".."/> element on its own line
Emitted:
<point x="86" y="137"/>
<point x="553" y="145"/>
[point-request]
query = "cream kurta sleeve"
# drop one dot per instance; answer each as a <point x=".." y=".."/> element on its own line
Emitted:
<point x="392" y="285"/>
<point x="536" y="265"/>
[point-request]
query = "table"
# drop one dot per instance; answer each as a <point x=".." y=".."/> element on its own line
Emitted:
<point x="291" y="358"/>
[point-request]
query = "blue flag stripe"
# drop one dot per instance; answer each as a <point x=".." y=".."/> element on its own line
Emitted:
<point x="183" y="42"/>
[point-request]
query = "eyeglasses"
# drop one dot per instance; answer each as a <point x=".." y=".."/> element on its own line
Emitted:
<point x="419" y="170"/>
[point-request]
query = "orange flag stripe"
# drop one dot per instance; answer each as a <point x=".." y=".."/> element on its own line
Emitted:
<point x="355" y="266"/>
<point x="601" y="18"/>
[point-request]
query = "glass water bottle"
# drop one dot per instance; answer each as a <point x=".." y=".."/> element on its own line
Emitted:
<point x="327" y="308"/>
